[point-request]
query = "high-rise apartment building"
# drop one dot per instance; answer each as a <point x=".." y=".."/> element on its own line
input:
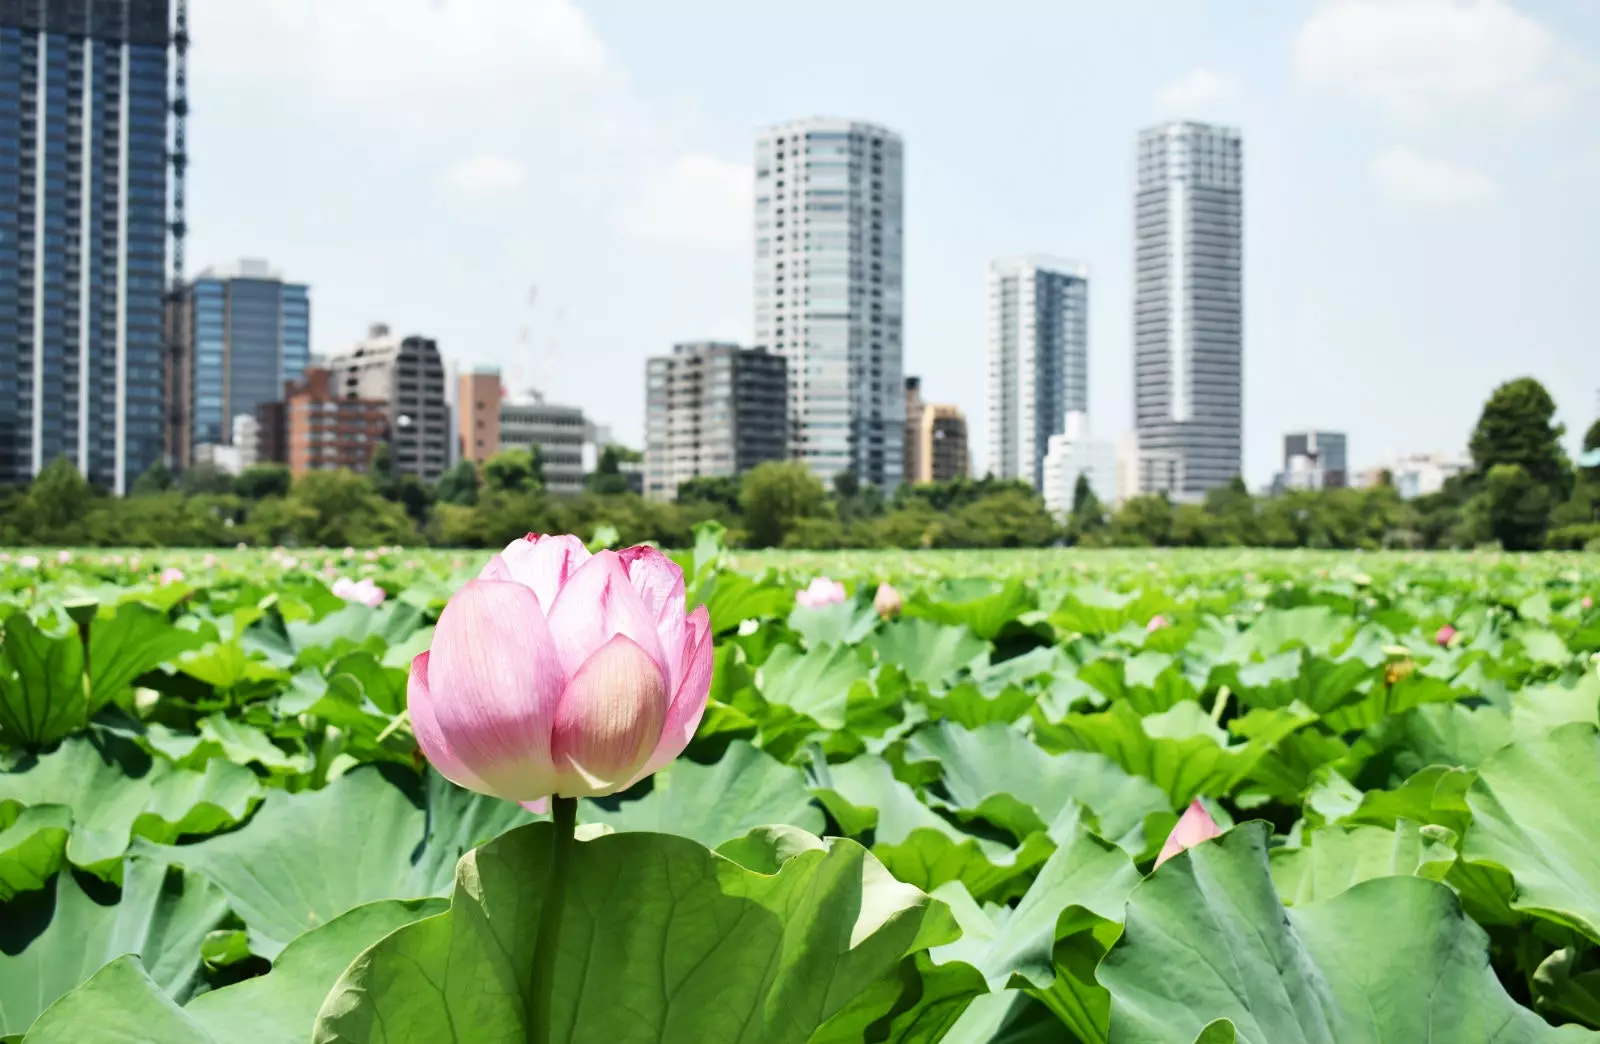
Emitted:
<point x="324" y="429"/>
<point x="1187" y="311"/>
<point x="528" y="422"/>
<point x="829" y="246"/>
<point x="408" y="374"/>
<point x="478" y="396"/>
<point x="83" y="227"/>
<point x="711" y="409"/>
<point x="243" y="332"/>
<point x="936" y="438"/>
<point x="1073" y="454"/>
<point x="1038" y="359"/>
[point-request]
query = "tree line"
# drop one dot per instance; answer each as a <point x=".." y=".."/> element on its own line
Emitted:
<point x="1522" y="493"/>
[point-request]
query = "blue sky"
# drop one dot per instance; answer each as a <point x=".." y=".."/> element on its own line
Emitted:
<point x="562" y="188"/>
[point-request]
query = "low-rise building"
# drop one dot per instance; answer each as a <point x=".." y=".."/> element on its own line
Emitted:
<point x="936" y="439"/>
<point x="527" y="420"/>
<point x="1417" y="474"/>
<point x="324" y="430"/>
<point x="478" y="396"/>
<point x="1071" y="454"/>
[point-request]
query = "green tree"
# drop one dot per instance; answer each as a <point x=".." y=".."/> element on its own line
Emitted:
<point x="1591" y="438"/>
<point x="260" y="481"/>
<point x="459" y="485"/>
<point x="1518" y="427"/>
<point x="1518" y="507"/>
<point x="57" y="502"/>
<point x="1144" y="521"/>
<point x="157" y="478"/>
<point x="719" y="492"/>
<point x="1088" y="514"/>
<point x="607" y="477"/>
<point x="204" y="477"/>
<point x="774" y="495"/>
<point x="347" y="510"/>
<point x="513" y="471"/>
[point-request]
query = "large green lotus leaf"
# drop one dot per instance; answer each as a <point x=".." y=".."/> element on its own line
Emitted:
<point x="1533" y="816"/>
<point x="917" y="844"/>
<point x="918" y="1005"/>
<point x="984" y="615"/>
<point x="928" y="652"/>
<point x="126" y="644"/>
<point x="997" y="773"/>
<point x="1297" y="676"/>
<point x="1568" y="982"/>
<point x="843" y="623"/>
<point x="1389" y="961"/>
<point x="1008" y="1017"/>
<point x="1097" y="611"/>
<point x="815" y="683"/>
<point x="1052" y="940"/>
<point x="1434" y="734"/>
<point x="1333" y="859"/>
<point x="732" y="599"/>
<point x="1180" y="751"/>
<point x="661" y="941"/>
<point x="41" y="682"/>
<point x="115" y="791"/>
<point x="1315" y="627"/>
<point x="32" y="843"/>
<point x="1538" y="709"/>
<point x="121" y="1004"/>
<point x="51" y="941"/>
<point x="712" y="803"/>
<point x="1149" y="682"/>
<point x="306" y="858"/>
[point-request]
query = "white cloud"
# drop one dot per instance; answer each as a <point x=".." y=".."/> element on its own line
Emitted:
<point x="698" y="201"/>
<point x="1406" y="176"/>
<point x="1196" y="90"/>
<point x="1419" y="58"/>
<point x="484" y="173"/>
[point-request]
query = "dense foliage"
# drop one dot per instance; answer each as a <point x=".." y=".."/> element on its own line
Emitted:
<point x="215" y="826"/>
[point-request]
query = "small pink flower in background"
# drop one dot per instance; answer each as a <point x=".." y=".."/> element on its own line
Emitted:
<point x="328" y="570"/>
<point x="1156" y="623"/>
<point x="64" y="557"/>
<point x="364" y="591"/>
<point x="1194" y="826"/>
<point x="133" y="561"/>
<point x="562" y="672"/>
<point x="4" y="558"/>
<point x="821" y="592"/>
<point x="240" y="546"/>
<point x="349" y="552"/>
<point x="411" y="563"/>
<point x="370" y="556"/>
<point x="209" y="562"/>
<point x="1445" y="635"/>
<point x="171" y="575"/>
<point x="27" y="561"/>
<point x="1587" y="603"/>
<point x="887" y="601"/>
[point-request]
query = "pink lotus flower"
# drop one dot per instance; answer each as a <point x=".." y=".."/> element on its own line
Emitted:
<point x="1446" y="633"/>
<point x="209" y="562"/>
<point x="561" y="672"/>
<point x="1194" y="826"/>
<point x="28" y="562"/>
<point x="63" y="557"/>
<point x="1587" y="603"/>
<point x="171" y="575"/>
<point x="821" y="592"/>
<point x="364" y="591"/>
<point x="887" y="601"/>
<point x="1156" y="623"/>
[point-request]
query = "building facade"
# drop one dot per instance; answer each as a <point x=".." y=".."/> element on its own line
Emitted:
<point x="408" y="374"/>
<point x="712" y="409"/>
<point x="1072" y="453"/>
<point x="1187" y="311"/>
<point x="1037" y="350"/>
<point x="1417" y="474"/>
<point x="1313" y="460"/>
<point x="243" y="333"/>
<point x="936" y="439"/>
<point x="325" y="428"/>
<point x="829" y="256"/>
<point x="478" y="396"/>
<point x="83" y="236"/>
<point x="527" y="421"/>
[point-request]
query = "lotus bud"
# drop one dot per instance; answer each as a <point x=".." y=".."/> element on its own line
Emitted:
<point x="63" y="557"/>
<point x="1156" y="623"/>
<point x="887" y="601"/>
<point x="210" y="561"/>
<point x="1587" y="603"/>
<point x="27" y="561"/>
<point x="363" y="591"/>
<point x="1445" y="636"/>
<point x="171" y="575"/>
<point x="822" y="592"/>
<point x="1194" y="826"/>
<point x="562" y="672"/>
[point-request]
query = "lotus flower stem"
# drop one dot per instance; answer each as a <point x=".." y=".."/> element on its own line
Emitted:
<point x="547" y="947"/>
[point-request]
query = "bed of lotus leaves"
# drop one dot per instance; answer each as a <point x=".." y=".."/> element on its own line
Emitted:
<point x="215" y="827"/>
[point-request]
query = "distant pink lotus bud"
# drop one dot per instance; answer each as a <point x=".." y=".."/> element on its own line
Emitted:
<point x="1156" y="623"/>
<point x="364" y="591"/>
<point x="349" y="552"/>
<point x="210" y="561"/>
<point x="171" y="575"/>
<point x="63" y="557"/>
<point x="370" y="556"/>
<point x="27" y="561"/>
<point x="1446" y="633"/>
<point x="821" y="592"/>
<point x="1587" y="603"/>
<point x="887" y="601"/>
<point x="1194" y="826"/>
<point x="561" y="672"/>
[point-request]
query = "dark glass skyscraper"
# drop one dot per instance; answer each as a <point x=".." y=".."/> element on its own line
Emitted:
<point x="83" y="226"/>
<point x="243" y="333"/>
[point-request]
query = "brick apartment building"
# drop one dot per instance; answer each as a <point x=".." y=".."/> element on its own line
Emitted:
<point x="314" y="429"/>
